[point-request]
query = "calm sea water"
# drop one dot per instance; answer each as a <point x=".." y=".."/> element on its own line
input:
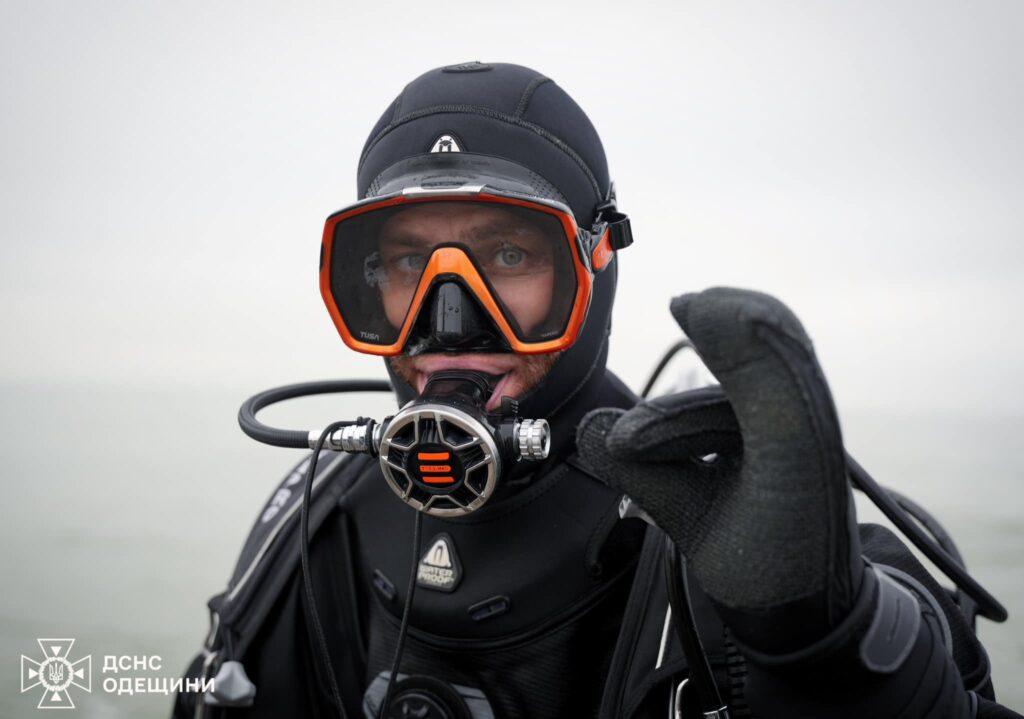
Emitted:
<point x="123" y="509"/>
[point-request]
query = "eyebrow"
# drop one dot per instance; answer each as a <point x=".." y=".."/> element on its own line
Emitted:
<point x="405" y="239"/>
<point x="499" y="228"/>
<point x="410" y="238"/>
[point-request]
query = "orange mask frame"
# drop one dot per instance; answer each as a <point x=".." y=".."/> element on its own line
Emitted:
<point x="447" y="260"/>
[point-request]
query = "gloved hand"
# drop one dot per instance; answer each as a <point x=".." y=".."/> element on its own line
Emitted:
<point x="768" y="525"/>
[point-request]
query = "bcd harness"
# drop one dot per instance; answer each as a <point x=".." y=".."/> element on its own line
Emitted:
<point x="519" y="613"/>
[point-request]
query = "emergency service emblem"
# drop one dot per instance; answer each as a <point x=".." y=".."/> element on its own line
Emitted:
<point x="439" y="567"/>
<point x="56" y="673"/>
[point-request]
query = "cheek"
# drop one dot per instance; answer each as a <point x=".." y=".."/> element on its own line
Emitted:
<point x="529" y="299"/>
<point x="396" y="303"/>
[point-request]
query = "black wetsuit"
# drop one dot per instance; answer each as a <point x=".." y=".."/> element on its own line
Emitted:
<point x="558" y="608"/>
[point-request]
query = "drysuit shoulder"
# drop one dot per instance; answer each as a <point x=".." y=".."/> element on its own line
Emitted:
<point x="270" y="553"/>
<point x="267" y="566"/>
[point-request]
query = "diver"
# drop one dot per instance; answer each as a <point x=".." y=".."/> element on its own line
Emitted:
<point x="526" y="537"/>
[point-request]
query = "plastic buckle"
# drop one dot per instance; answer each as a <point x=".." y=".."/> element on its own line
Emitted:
<point x="620" y="233"/>
<point x="607" y="217"/>
<point x="231" y="687"/>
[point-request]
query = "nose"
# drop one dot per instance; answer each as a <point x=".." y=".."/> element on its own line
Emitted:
<point x="452" y="320"/>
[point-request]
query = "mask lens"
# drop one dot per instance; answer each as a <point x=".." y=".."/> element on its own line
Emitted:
<point x="522" y="255"/>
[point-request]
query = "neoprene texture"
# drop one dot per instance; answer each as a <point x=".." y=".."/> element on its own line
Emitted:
<point x="507" y="111"/>
<point x="766" y="529"/>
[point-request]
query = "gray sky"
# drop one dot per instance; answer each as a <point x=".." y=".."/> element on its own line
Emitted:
<point x="166" y="169"/>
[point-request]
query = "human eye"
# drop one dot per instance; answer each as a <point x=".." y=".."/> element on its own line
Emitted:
<point x="510" y="257"/>
<point x="408" y="263"/>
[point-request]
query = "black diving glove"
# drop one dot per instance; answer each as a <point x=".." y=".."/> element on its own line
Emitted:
<point x="767" y="521"/>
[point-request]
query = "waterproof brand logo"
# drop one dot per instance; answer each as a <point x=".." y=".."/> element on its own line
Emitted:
<point x="439" y="567"/>
<point x="56" y="674"/>
<point x="446" y="143"/>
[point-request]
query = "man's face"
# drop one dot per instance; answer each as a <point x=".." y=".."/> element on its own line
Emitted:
<point x="512" y="253"/>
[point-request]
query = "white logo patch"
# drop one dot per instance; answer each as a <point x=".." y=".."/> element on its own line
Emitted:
<point x="446" y="143"/>
<point x="439" y="566"/>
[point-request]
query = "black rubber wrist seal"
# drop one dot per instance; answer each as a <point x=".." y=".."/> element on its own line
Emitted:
<point x="877" y="635"/>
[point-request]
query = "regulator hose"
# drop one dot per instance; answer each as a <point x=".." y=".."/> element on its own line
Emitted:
<point x="941" y="551"/>
<point x="294" y="438"/>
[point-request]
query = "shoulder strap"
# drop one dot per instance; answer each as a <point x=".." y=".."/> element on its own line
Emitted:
<point x="637" y="621"/>
<point x="270" y="554"/>
<point x="647" y="652"/>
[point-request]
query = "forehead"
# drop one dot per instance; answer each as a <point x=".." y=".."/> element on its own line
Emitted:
<point x="445" y="218"/>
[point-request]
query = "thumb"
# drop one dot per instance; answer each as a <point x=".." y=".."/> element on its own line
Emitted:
<point x="676" y="495"/>
<point x="765" y="361"/>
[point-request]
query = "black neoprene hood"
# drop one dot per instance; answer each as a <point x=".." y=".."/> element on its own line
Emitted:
<point x="495" y="109"/>
<point x="510" y="112"/>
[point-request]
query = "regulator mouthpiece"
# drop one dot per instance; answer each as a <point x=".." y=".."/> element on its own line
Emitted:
<point x="442" y="453"/>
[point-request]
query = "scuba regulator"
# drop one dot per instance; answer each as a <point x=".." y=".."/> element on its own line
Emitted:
<point x="441" y="453"/>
